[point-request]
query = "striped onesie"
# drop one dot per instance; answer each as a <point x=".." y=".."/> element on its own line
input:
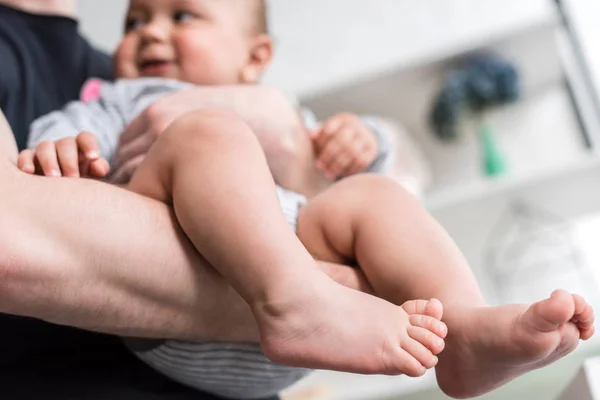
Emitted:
<point x="233" y="370"/>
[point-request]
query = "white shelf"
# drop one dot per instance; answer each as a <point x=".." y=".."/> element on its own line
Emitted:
<point x="324" y="45"/>
<point x="541" y="138"/>
<point x="466" y="193"/>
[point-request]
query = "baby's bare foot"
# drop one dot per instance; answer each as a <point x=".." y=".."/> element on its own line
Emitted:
<point x="331" y="327"/>
<point x="487" y="347"/>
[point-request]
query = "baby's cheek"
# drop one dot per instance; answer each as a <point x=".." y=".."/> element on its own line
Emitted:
<point x="207" y="62"/>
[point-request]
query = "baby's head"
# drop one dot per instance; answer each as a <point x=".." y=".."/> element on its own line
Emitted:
<point x="204" y="42"/>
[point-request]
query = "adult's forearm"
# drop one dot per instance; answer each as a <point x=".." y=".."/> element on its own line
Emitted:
<point x="87" y="254"/>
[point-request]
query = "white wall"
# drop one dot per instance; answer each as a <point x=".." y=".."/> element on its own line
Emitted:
<point x="102" y="21"/>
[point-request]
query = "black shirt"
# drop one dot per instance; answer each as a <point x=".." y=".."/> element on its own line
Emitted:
<point x="43" y="65"/>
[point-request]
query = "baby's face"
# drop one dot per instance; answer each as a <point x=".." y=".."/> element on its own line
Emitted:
<point x="205" y="42"/>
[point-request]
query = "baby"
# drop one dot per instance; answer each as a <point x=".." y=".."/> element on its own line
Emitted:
<point x="210" y="167"/>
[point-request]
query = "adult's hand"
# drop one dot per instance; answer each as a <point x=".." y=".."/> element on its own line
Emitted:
<point x="141" y="133"/>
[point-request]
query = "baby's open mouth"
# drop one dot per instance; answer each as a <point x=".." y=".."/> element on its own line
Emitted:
<point x="155" y="66"/>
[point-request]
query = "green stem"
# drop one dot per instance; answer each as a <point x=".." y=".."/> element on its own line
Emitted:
<point x="494" y="162"/>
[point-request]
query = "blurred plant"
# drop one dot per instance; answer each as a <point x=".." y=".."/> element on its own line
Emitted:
<point x="482" y="82"/>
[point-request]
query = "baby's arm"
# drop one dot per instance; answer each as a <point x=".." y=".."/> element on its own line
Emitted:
<point x="103" y="117"/>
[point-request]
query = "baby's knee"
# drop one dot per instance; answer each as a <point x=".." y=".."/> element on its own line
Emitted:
<point x="200" y="127"/>
<point x="371" y="186"/>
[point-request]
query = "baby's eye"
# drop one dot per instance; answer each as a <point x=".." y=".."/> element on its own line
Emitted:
<point x="132" y="24"/>
<point x="182" y="16"/>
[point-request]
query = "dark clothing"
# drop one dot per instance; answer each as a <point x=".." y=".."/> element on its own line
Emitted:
<point x="43" y="64"/>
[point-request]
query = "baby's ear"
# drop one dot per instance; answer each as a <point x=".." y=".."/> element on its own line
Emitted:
<point x="261" y="53"/>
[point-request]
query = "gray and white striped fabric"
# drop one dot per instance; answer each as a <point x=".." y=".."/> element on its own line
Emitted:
<point x="231" y="370"/>
<point x="234" y="370"/>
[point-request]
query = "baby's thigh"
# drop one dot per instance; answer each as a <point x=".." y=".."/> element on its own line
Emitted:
<point x="330" y="224"/>
<point x="230" y="370"/>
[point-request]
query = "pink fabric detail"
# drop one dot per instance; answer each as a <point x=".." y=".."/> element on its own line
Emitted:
<point x="91" y="90"/>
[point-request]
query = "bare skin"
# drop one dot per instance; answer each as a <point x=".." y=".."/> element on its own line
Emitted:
<point x="524" y="337"/>
<point x="492" y="345"/>
<point x="207" y="159"/>
<point x="486" y="346"/>
<point x="276" y="123"/>
<point x="110" y="278"/>
<point x="375" y="223"/>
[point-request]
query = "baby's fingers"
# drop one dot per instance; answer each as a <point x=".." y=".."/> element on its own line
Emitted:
<point x="88" y="146"/>
<point x="98" y="169"/>
<point x="68" y="157"/>
<point x="361" y="162"/>
<point x="343" y="160"/>
<point x="26" y="161"/>
<point x="47" y="159"/>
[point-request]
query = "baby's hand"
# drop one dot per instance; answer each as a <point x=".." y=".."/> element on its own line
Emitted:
<point x="70" y="157"/>
<point x="344" y="146"/>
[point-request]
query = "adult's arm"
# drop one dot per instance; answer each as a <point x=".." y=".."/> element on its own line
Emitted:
<point x="91" y="255"/>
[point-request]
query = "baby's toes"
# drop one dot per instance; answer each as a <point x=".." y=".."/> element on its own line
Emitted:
<point x="432" y="308"/>
<point x="430" y="340"/>
<point x="415" y="306"/>
<point x="420" y="352"/>
<point x="586" y="334"/>
<point x="431" y="324"/>
<point x="584" y="313"/>
<point x="406" y="364"/>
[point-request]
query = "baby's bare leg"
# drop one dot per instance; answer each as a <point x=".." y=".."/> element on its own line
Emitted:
<point x="210" y="166"/>
<point x="405" y="254"/>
